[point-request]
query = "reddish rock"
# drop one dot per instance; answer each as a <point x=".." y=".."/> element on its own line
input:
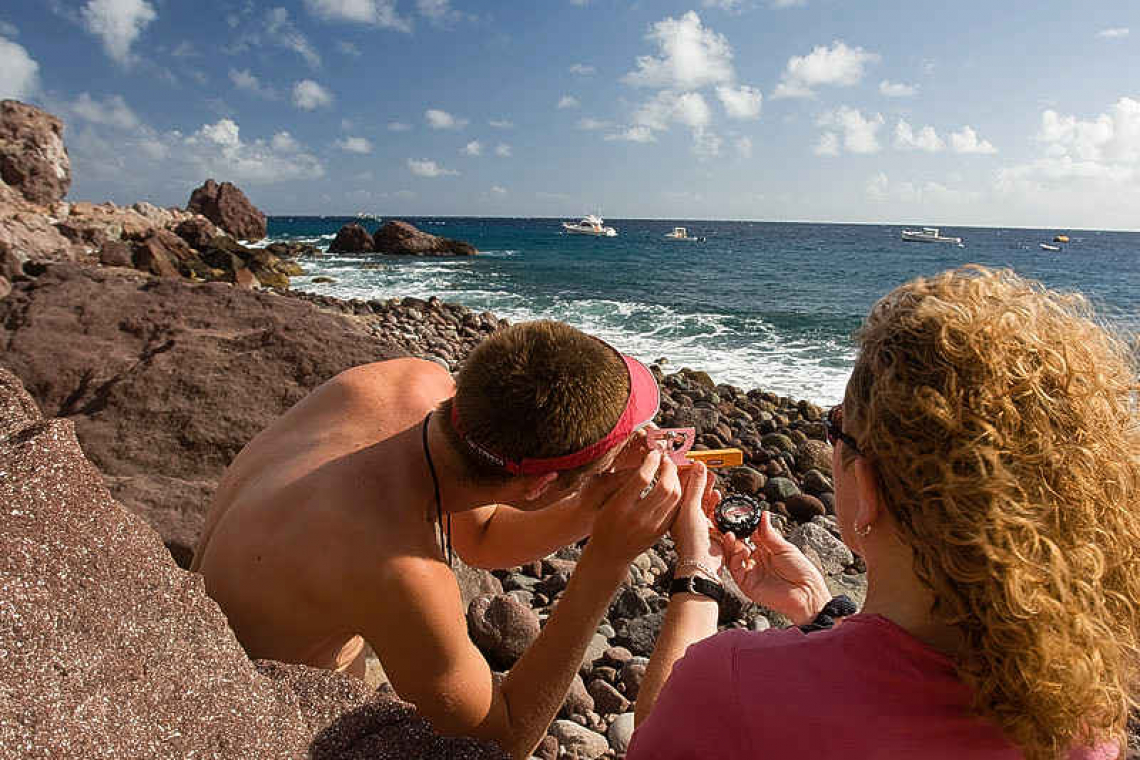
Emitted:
<point x="5" y="287"/>
<point x="403" y="239"/>
<point x="33" y="158"/>
<point x="29" y="233"/>
<point x="197" y="231"/>
<point x="115" y="253"/>
<point x="245" y="279"/>
<point x="502" y="627"/>
<point x="167" y="380"/>
<point x="119" y="653"/>
<point x="226" y="206"/>
<point x="352" y="238"/>
<point x="162" y="253"/>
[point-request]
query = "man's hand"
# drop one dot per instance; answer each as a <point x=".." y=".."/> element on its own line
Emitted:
<point x="636" y="514"/>
<point x="776" y="574"/>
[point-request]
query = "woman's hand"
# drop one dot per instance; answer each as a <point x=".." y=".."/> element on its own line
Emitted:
<point x="692" y="532"/>
<point x="776" y="573"/>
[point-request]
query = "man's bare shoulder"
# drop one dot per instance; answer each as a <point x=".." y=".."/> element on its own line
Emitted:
<point x="406" y="375"/>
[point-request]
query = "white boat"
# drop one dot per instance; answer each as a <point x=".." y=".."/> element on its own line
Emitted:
<point x="680" y="233"/>
<point x="1047" y="247"/>
<point x="590" y="225"/>
<point x="928" y="235"/>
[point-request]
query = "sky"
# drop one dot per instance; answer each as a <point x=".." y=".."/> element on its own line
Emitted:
<point x="972" y="113"/>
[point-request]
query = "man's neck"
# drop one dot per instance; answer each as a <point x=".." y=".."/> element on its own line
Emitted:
<point x="457" y="494"/>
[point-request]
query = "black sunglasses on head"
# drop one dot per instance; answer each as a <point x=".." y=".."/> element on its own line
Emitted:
<point x="834" y="424"/>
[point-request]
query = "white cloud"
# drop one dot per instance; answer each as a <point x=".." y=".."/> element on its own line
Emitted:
<point x="497" y="190"/>
<point x="501" y="124"/>
<point x="743" y="147"/>
<point x="878" y="187"/>
<point x="185" y="49"/>
<point x="285" y="143"/>
<point x="732" y="6"/>
<point x="245" y="80"/>
<point x="426" y="168"/>
<point x="381" y="13"/>
<point x="690" y="56"/>
<point x="926" y="139"/>
<point x="828" y="145"/>
<point x="740" y="102"/>
<point x="358" y="145"/>
<point x="309" y="96"/>
<point x="112" y="112"/>
<point x="859" y="132"/>
<point x="838" y="65"/>
<point x="634" y="134"/>
<point x="21" y="78"/>
<point x="502" y="150"/>
<point x="118" y="23"/>
<point x="568" y="101"/>
<point x="281" y="30"/>
<point x="349" y="48"/>
<point x="589" y="124"/>
<point x="473" y="148"/>
<point x="438" y="119"/>
<point x="966" y="141"/>
<point x="582" y="69"/>
<point x="1114" y="33"/>
<point x="897" y="89"/>
<point x="923" y="195"/>
<point x="8" y="30"/>
<point x="788" y="3"/>
<point x="398" y="126"/>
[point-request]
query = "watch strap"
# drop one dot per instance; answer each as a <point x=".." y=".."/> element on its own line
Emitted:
<point x="694" y="584"/>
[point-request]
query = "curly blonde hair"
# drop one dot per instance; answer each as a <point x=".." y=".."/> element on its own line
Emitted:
<point x="1003" y="424"/>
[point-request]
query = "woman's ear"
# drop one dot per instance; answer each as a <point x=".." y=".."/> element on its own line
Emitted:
<point x="538" y="485"/>
<point x="870" y="507"/>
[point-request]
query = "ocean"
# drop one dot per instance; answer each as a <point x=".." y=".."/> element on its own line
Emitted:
<point x="757" y="304"/>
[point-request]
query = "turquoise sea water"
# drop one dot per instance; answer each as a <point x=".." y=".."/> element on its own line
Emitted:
<point x="758" y="304"/>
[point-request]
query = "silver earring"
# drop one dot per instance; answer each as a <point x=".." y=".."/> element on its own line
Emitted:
<point x="864" y="531"/>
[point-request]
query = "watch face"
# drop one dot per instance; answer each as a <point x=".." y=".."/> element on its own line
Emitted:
<point x="738" y="514"/>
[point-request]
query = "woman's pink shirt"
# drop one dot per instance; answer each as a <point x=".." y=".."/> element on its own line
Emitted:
<point x="865" y="689"/>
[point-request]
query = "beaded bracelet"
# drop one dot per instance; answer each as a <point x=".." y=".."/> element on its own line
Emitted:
<point x="696" y="565"/>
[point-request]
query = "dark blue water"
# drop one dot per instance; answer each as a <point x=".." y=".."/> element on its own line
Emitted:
<point x="758" y="304"/>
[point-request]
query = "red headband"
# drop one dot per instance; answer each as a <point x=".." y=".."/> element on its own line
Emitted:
<point x="640" y="409"/>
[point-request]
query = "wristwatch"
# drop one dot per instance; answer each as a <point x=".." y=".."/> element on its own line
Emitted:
<point x="694" y="584"/>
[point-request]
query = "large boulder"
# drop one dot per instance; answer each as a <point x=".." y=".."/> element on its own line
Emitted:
<point x="166" y="380"/>
<point x="402" y="239"/>
<point x="33" y="158"/>
<point x="28" y="234"/>
<point x="111" y="650"/>
<point x="226" y="206"/>
<point x="352" y="238"/>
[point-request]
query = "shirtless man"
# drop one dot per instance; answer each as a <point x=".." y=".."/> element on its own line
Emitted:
<point x="328" y="528"/>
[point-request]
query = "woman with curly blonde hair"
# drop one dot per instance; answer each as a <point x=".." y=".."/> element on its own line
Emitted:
<point x="987" y="468"/>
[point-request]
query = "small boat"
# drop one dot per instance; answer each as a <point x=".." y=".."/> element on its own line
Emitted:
<point x="590" y="225"/>
<point x="1047" y="247"/>
<point x="680" y="233"/>
<point x="928" y="235"/>
<point x="1061" y="239"/>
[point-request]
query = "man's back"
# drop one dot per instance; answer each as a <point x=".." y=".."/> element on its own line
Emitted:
<point x="313" y="507"/>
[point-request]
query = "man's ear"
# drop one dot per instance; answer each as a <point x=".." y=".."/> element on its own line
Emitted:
<point x="538" y="485"/>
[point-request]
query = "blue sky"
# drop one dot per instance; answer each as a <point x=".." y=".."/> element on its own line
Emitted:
<point x="967" y="113"/>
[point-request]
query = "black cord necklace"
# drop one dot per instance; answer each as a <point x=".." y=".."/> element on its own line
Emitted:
<point x="444" y="547"/>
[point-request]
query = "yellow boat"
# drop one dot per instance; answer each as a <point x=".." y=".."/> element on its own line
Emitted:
<point x="1060" y="238"/>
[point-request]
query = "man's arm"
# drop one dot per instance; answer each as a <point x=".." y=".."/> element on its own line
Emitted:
<point x="498" y="535"/>
<point x="419" y="631"/>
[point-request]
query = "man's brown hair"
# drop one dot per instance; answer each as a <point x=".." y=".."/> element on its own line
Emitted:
<point x="536" y="390"/>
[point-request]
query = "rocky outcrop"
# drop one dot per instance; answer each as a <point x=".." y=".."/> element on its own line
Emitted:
<point x="352" y="238"/>
<point x="402" y="239"/>
<point x="116" y="652"/>
<point x="33" y="159"/>
<point x="226" y="206"/>
<point x="166" y="380"/>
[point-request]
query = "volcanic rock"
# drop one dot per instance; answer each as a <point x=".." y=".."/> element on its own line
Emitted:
<point x="578" y="741"/>
<point x="502" y="627"/>
<point x="167" y="380"/>
<point x="119" y="653"/>
<point x="352" y="238"/>
<point x="33" y="158"/>
<point x="197" y="232"/>
<point x="27" y="233"/>
<point x="401" y="238"/>
<point x="226" y="206"/>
